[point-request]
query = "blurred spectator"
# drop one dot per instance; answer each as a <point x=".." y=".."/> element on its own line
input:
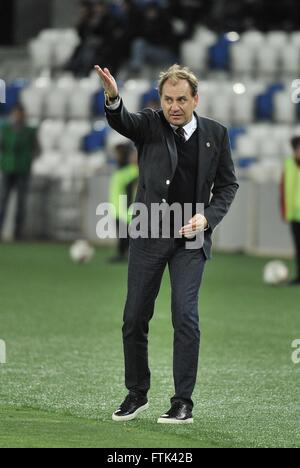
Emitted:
<point x="290" y="195"/>
<point x="123" y="182"/>
<point x="157" y="43"/>
<point x="99" y="30"/>
<point x="18" y="146"/>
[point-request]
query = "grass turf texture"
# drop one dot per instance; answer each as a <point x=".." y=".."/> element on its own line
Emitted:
<point x="64" y="375"/>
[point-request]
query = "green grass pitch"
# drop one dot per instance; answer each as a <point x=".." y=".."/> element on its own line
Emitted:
<point x="64" y="372"/>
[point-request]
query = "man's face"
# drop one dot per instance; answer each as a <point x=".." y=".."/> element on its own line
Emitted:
<point x="178" y="103"/>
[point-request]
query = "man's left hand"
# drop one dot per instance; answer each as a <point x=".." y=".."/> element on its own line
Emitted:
<point x="197" y="224"/>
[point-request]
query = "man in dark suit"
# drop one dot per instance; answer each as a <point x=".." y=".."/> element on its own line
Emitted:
<point x="183" y="159"/>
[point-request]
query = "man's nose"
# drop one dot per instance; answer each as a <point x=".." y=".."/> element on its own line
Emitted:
<point x="175" y="108"/>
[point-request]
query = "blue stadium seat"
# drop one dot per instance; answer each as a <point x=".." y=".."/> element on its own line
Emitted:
<point x="151" y="95"/>
<point x="234" y="133"/>
<point x="95" y="140"/>
<point x="219" y="53"/>
<point x="12" y="95"/>
<point x="264" y="102"/>
<point x="98" y="103"/>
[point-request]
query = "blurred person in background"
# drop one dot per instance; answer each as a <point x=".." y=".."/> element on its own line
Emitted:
<point x="18" y="146"/>
<point x="290" y="200"/>
<point x="157" y="44"/>
<point x="123" y="182"/>
<point x="99" y="30"/>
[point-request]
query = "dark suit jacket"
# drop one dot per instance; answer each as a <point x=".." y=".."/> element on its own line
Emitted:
<point x="157" y="151"/>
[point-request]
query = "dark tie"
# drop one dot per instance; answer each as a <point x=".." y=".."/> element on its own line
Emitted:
<point x="181" y="134"/>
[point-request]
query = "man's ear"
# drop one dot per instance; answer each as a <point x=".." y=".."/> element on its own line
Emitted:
<point x="197" y="100"/>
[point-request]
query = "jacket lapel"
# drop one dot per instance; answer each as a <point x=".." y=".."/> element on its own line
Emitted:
<point x="170" y="142"/>
<point x="205" y="156"/>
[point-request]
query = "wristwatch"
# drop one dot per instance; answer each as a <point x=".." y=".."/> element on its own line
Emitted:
<point x="111" y="100"/>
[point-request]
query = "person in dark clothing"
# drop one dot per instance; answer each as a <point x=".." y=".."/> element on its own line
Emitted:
<point x="18" y="146"/>
<point x="157" y="43"/>
<point x="183" y="158"/>
<point x="99" y="30"/>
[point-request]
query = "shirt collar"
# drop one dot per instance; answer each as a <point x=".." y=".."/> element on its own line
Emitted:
<point x="189" y="128"/>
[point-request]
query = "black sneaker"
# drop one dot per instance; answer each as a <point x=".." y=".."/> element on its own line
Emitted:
<point x="180" y="413"/>
<point x="295" y="282"/>
<point x="130" y="408"/>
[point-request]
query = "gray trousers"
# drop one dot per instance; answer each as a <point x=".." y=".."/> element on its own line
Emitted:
<point x="147" y="261"/>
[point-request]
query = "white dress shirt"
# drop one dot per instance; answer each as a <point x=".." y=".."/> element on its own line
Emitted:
<point x="189" y="129"/>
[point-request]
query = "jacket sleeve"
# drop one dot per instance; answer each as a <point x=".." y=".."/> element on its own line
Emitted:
<point x="135" y="126"/>
<point x="225" y="186"/>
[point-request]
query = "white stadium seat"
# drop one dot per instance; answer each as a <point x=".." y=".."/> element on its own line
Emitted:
<point x="277" y="39"/>
<point x="243" y="109"/>
<point x="246" y="147"/>
<point x="33" y="101"/>
<point x="284" y="108"/>
<point x="242" y="58"/>
<point x="56" y="103"/>
<point x="50" y="133"/>
<point x="290" y="60"/>
<point x="267" y="60"/>
<point x="194" y="55"/>
<point x="80" y="103"/>
<point x="221" y="107"/>
<point x="253" y="39"/>
<point x="268" y="149"/>
<point x="41" y="54"/>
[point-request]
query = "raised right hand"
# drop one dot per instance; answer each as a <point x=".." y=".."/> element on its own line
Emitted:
<point x="109" y="83"/>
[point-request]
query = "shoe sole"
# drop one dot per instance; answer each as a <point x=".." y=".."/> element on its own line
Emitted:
<point x="131" y="416"/>
<point x="175" y="421"/>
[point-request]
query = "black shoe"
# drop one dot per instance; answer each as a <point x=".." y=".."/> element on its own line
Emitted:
<point x="180" y="413"/>
<point x="130" y="408"/>
<point x="295" y="282"/>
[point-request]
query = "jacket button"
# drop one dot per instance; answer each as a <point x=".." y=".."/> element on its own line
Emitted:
<point x="168" y="182"/>
<point x="208" y="144"/>
<point x="164" y="200"/>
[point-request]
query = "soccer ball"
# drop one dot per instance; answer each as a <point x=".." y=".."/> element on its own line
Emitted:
<point x="275" y="273"/>
<point x="81" y="252"/>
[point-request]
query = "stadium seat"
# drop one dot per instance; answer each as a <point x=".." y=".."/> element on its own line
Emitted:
<point x="277" y="39"/>
<point x="33" y="99"/>
<point x="95" y="140"/>
<point x="246" y="147"/>
<point x="295" y="39"/>
<point x="49" y="134"/>
<point x="253" y="39"/>
<point x="12" y="95"/>
<point x="267" y="60"/>
<point x="194" y="55"/>
<point x="269" y="149"/>
<point x="56" y="103"/>
<point x="98" y="102"/>
<point x="284" y="108"/>
<point x="71" y="139"/>
<point x="242" y="59"/>
<point x="219" y="53"/>
<point x="80" y="103"/>
<point x="41" y="54"/>
<point x="221" y="107"/>
<point x="234" y="133"/>
<point x="290" y="60"/>
<point x="132" y="93"/>
<point x="243" y="109"/>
